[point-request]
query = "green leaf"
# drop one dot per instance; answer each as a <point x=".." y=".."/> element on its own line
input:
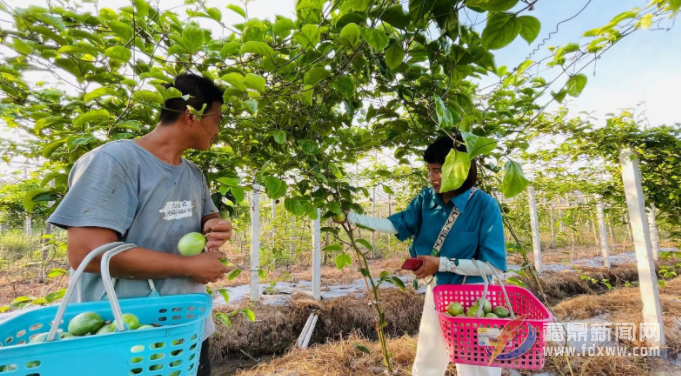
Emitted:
<point x="395" y="16"/>
<point x="252" y="105"/>
<point x="52" y="147"/>
<point x="398" y="282"/>
<point x="500" y="31"/>
<point x="279" y="136"/>
<point x="309" y="147"/>
<point x="335" y="171"/>
<point x="361" y="348"/>
<point x="54" y="296"/>
<point x="516" y="281"/>
<point x="233" y="274"/>
<point x="415" y="284"/>
<point x="559" y="96"/>
<point x="352" y="17"/>
<point x="215" y="14"/>
<point x="309" y="37"/>
<point x="49" y="121"/>
<point x="275" y="187"/>
<point x="478" y="145"/>
<point x="58" y="177"/>
<point x="79" y="49"/>
<point x="119" y="53"/>
<point x="419" y="8"/>
<point x="230" y="49"/>
<point x="455" y="170"/>
<point x="444" y="116"/>
<point x="282" y="28"/>
<point x="394" y="56"/>
<point x="124" y="31"/>
<point x="235" y="80"/>
<point x="388" y="190"/>
<point x="350" y="36"/>
<point x="239" y="194"/>
<point x="258" y="48"/>
<point x="91" y="117"/>
<point x="333" y="248"/>
<point x="530" y="28"/>
<point x="30" y="203"/>
<point x="141" y="8"/>
<point x="69" y="66"/>
<point x="492" y="5"/>
<point x="307" y="94"/>
<point x="21" y="47"/>
<point x="345" y="85"/>
<point x="647" y="21"/>
<point x="225" y="295"/>
<point x="192" y="38"/>
<point x="99" y="92"/>
<point x="365" y="243"/>
<point x="377" y="39"/>
<point x="343" y="260"/>
<point x="334" y="207"/>
<point x="239" y="10"/>
<point x="248" y="314"/>
<point x="315" y="75"/>
<point x="576" y="84"/>
<point x="56" y="272"/>
<point x="514" y="180"/>
<point x="674" y="5"/>
<point x="224" y="319"/>
<point x="148" y="97"/>
<point x="262" y="273"/>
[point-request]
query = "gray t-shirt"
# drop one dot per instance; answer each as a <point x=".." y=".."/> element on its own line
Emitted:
<point x="123" y="187"/>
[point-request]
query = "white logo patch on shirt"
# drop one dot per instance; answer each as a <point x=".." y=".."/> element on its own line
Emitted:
<point x="176" y="210"/>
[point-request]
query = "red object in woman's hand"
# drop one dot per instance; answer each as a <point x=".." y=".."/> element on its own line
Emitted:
<point x="412" y="263"/>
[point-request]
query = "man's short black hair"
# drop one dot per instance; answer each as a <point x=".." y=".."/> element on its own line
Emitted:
<point x="202" y="91"/>
<point x="437" y="153"/>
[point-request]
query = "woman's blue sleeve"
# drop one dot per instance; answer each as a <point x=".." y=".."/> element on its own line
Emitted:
<point x="408" y="221"/>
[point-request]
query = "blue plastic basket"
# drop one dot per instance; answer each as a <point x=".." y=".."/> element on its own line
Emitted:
<point x="170" y="350"/>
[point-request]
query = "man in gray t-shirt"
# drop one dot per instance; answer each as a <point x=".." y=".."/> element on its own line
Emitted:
<point x="143" y="192"/>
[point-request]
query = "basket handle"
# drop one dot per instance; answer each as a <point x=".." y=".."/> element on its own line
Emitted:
<point x="485" y="281"/>
<point x="503" y="288"/>
<point x="109" y="285"/>
<point x="74" y="284"/>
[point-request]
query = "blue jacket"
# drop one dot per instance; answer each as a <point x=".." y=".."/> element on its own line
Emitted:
<point x="478" y="233"/>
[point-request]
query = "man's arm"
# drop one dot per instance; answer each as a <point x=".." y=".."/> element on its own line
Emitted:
<point x="141" y="263"/>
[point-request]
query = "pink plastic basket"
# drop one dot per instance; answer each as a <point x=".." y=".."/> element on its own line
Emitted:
<point x="462" y="335"/>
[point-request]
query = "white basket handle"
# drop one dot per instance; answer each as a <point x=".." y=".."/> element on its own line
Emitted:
<point x="484" y="291"/>
<point x="109" y="285"/>
<point x="503" y="288"/>
<point x="486" y="283"/>
<point x="75" y="279"/>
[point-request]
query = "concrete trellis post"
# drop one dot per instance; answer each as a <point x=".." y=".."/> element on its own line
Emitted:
<point x="292" y="239"/>
<point x="650" y="294"/>
<point x="561" y="225"/>
<point x="27" y="222"/>
<point x="373" y="214"/>
<point x="652" y="225"/>
<point x="255" y="242"/>
<point x="317" y="257"/>
<point x="602" y="232"/>
<point x="553" y="228"/>
<point x="534" y="225"/>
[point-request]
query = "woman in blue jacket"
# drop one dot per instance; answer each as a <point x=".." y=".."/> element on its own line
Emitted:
<point x="477" y="233"/>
